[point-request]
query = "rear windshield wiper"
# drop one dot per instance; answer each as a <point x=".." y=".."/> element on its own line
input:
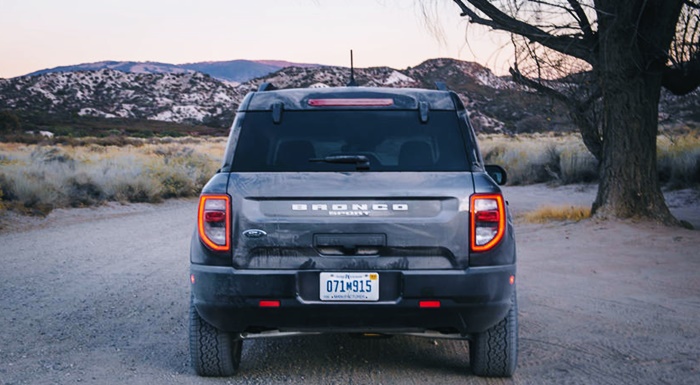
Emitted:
<point x="360" y="161"/>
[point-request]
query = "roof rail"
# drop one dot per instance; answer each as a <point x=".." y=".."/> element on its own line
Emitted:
<point x="441" y="86"/>
<point x="266" y="87"/>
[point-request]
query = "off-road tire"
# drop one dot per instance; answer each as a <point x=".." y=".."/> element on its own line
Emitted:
<point x="494" y="352"/>
<point x="213" y="353"/>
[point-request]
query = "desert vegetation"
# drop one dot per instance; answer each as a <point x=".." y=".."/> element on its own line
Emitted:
<point x="80" y="172"/>
<point x="563" y="159"/>
<point x="558" y="213"/>
<point x="37" y="178"/>
<point x="540" y="158"/>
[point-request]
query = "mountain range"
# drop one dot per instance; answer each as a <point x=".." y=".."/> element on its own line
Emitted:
<point x="185" y="94"/>
<point x="233" y="70"/>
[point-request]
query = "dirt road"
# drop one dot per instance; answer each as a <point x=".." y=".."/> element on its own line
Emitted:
<point x="100" y="296"/>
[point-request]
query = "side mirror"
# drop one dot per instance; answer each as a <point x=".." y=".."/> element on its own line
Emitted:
<point x="497" y="173"/>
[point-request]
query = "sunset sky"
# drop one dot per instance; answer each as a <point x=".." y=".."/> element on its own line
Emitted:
<point x="38" y="34"/>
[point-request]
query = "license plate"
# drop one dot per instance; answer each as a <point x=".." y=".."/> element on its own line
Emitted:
<point x="349" y="286"/>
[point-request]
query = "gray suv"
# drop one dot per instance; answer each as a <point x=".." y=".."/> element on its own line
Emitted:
<point x="353" y="210"/>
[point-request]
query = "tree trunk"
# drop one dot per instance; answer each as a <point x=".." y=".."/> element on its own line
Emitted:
<point x="629" y="184"/>
<point x="630" y="79"/>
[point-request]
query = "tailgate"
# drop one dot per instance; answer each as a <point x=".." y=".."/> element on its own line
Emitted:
<point x="350" y="221"/>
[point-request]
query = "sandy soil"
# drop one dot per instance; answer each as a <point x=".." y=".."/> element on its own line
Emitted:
<point x="100" y="296"/>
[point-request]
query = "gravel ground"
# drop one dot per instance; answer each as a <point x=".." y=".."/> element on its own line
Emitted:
<point x="100" y="296"/>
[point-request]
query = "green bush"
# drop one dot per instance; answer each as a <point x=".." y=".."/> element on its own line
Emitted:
<point x="9" y="122"/>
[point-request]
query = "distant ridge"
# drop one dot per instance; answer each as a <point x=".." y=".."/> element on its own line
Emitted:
<point x="124" y="66"/>
<point x="184" y="95"/>
<point x="238" y="71"/>
<point x="284" y="63"/>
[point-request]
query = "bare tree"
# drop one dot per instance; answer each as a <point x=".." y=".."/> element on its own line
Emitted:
<point x="612" y="58"/>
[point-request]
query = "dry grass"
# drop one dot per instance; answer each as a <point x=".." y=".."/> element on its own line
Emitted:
<point x="558" y="213"/>
<point x="678" y="160"/>
<point x="563" y="159"/>
<point x="540" y="158"/>
<point x="38" y="178"/>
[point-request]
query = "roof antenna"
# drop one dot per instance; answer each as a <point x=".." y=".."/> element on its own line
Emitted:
<point x="352" y="82"/>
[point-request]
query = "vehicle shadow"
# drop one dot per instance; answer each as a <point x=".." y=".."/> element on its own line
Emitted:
<point x="355" y="359"/>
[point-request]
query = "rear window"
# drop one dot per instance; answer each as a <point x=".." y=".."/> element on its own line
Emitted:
<point x="390" y="140"/>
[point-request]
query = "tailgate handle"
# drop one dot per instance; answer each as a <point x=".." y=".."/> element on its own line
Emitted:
<point x="350" y="240"/>
<point x="349" y="244"/>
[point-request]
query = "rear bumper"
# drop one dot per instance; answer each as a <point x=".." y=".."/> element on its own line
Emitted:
<point x="471" y="301"/>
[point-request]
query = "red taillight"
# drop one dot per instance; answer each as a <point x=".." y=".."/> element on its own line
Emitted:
<point x="488" y="216"/>
<point x="488" y="221"/>
<point x="213" y="221"/>
<point x="359" y="102"/>
<point x="214" y="216"/>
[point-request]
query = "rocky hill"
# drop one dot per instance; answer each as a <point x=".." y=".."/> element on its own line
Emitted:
<point x="497" y="104"/>
<point x="192" y="98"/>
<point x="232" y="70"/>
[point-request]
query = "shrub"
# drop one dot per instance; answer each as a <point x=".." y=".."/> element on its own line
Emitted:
<point x="541" y="159"/>
<point x="33" y="190"/>
<point x="9" y="122"/>
<point x="183" y="172"/>
<point x="526" y="162"/>
<point x="2" y="204"/>
<point x="531" y="124"/>
<point x="678" y="160"/>
<point x="125" y="179"/>
<point x="83" y="191"/>
<point x="52" y="154"/>
<point x="558" y="213"/>
<point x="137" y="191"/>
<point x="577" y="166"/>
<point x="175" y="181"/>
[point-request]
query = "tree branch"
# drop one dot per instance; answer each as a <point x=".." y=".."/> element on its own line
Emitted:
<point x="683" y="79"/>
<point x="691" y="4"/>
<point x="519" y="78"/>
<point x="581" y="48"/>
<point x="582" y="113"/>
<point x="582" y="19"/>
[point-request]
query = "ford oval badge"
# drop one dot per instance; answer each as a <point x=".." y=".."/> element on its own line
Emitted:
<point x="254" y="233"/>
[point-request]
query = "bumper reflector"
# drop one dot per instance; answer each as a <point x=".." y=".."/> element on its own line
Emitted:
<point x="268" y="303"/>
<point x="429" y="304"/>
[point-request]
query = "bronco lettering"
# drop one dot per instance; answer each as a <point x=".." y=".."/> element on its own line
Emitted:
<point x="360" y="209"/>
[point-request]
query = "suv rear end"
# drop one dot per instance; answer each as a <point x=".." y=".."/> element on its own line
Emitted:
<point x="360" y="210"/>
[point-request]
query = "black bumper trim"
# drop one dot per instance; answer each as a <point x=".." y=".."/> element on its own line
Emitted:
<point x="472" y="300"/>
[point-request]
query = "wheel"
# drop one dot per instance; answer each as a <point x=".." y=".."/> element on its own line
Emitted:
<point x="213" y="353"/>
<point x="494" y="352"/>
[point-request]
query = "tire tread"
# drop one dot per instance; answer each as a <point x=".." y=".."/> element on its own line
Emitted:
<point x="213" y="353"/>
<point x="494" y="352"/>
